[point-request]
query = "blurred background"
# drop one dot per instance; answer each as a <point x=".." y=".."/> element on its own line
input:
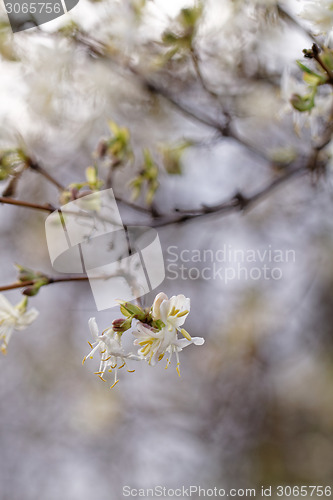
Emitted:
<point x="254" y="404"/>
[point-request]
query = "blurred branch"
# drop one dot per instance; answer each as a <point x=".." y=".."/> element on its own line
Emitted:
<point x="39" y="169"/>
<point x="196" y="63"/>
<point x="239" y="202"/>
<point x="224" y="129"/>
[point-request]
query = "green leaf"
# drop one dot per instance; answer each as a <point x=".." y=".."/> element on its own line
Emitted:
<point x="302" y="104"/>
<point x="32" y="290"/>
<point x="311" y="77"/>
<point x="27" y="274"/>
<point x="190" y="16"/>
<point x="172" y="157"/>
<point x="4" y="174"/>
<point x="128" y="309"/>
<point x="305" y="68"/>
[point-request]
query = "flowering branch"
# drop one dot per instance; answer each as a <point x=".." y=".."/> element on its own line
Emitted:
<point x="156" y="334"/>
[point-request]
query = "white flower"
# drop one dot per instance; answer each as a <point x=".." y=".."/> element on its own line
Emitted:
<point x="13" y="318"/>
<point x="173" y="312"/>
<point x="319" y="12"/>
<point x="155" y="343"/>
<point x="113" y="356"/>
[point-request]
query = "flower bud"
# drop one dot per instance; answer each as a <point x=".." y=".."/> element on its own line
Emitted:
<point x="129" y="309"/>
<point x="121" y="325"/>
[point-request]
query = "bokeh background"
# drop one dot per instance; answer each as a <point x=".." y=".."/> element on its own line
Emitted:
<point x="254" y="404"/>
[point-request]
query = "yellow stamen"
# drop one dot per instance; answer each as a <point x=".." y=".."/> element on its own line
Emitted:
<point x="116" y="382"/>
<point x="100" y="376"/>
<point x="186" y="334"/>
<point x="84" y="359"/>
<point x="113" y="366"/>
<point x="161" y="356"/>
<point x="145" y="342"/>
<point x="131" y="371"/>
<point x="181" y="314"/>
<point x="177" y="368"/>
<point x="167" y="364"/>
<point x="173" y="311"/>
<point x="145" y="350"/>
<point x="107" y="359"/>
<point x="119" y="367"/>
<point x="102" y="352"/>
<point x="151" y="355"/>
<point x="90" y="344"/>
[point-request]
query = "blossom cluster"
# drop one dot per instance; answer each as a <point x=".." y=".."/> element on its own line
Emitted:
<point x="155" y="330"/>
<point x="156" y="334"/>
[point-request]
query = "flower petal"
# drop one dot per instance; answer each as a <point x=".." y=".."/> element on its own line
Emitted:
<point x="156" y="305"/>
<point x="6" y="306"/>
<point x="93" y="328"/>
<point x="26" y="319"/>
<point x="198" y="340"/>
<point x="181" y="343"/>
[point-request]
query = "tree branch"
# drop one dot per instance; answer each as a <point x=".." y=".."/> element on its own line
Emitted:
<point x="56" y="279"/>
<point x="238" y="202"/>
<point x="38" y="168"/>
<point x="26" y="204"/>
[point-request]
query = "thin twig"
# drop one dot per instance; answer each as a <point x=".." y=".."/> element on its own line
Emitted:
<point x="13" y="286"/>
<point x="50" y="281"/>
<point x="196" y="64"/>
<point x="315" y="53"/>
<point x="239" y="202"/>
<point x="20" y="203"/>
<point x="38" y="168"/>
